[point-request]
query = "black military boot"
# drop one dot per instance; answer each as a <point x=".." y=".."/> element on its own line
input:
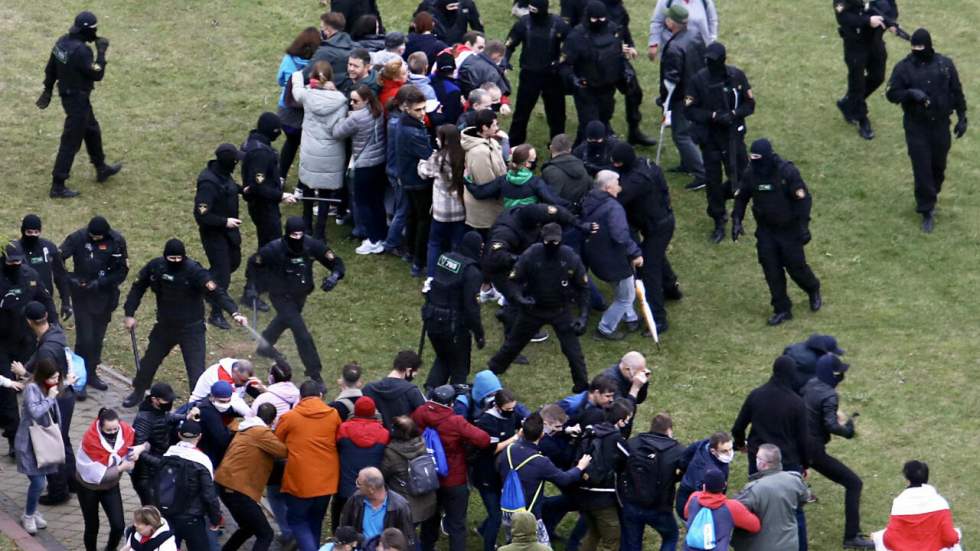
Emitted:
<point x="816" y="301"/>
<point x="719" y="234"/>
<point x="864" y="129"/>
<point x="842" y="105"/>
<point x="105" y="172"/>
<point x="134" y="398"/>
<point x="779" y="317"/>
<point x="858" y="542"/>
<point x="60" y="191"/>
<point x="637" y="137"/>
<point x="928" y="222"/>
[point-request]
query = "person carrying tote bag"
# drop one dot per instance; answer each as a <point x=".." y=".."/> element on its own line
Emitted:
<point x="38" y="442"/>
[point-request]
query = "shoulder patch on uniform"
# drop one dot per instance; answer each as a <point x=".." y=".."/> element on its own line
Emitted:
<point x="839" y="7"/>
<point x="202" y="208"/>
<point x="33" y="283"/>
<point x="749" y="93"/>
<point x="513" y="274"/>
<point x="330" y="255"/>
<point x="688" y="100"/>
<point x="497" y="245"/>
<point x="96" y="67"/>
<point x="259" y="177"/>
<point x="800" y="193"/>
<point x="210" y="285"/>
<point x="552" y="210"/>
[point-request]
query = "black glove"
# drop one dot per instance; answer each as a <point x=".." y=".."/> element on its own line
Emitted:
<point x="805" y="236"/>
<point x="66" y="310"/>
<point x="101" y="45"/>
<point x="329" y="283"/>
<point x="250" y="297"/>
<point x="724" y="119"/>
<point x="918" y="96"/>
<point x="525" y="300"/>
<point x="579" y="82"/>
<point x="481" y="341"/>
<point x="737" y="229"/>
<point x="44" y="101"/>
<point x="579" y="325"/>
<point x="960" y="127"/>
<point x="659" y="102"/>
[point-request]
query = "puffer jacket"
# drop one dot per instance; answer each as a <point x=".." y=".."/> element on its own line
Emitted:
<point x="361" y="443"/>
<point x="394" y="467"/>
<point x="484" y="162"/>
<point x="154" y="426"/>
<point x="321" y="156"/>
<point x="367" y="134"/>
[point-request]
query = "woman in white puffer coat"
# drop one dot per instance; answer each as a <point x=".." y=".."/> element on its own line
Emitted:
<point x="321" y="156"/>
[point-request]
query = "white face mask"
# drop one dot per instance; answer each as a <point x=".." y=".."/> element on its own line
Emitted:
<point x="222" y="407"/>
<point x="726" y="457"/>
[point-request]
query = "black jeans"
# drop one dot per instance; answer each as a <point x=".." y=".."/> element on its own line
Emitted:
<point x="781" y="252"/>
<point x="525" y="327"/>
<point x="163" y="338"/>
<point x="80" y="126"/>
<point x="656" y="272"/>
<point x="60" y="481"/>
<point x="111" y="502"/>
<point x="224" y="254"/>
<point x="289" y="148"/>
<point x="417" y="225"/>
<point x="598" y="103"/>
<point x="453" y="503"/>
<point x="928" y="145"/>
<point x="865" y="73"/>
<point x="317" y="228"/>
<point x="452" y="362"/>
<point x="715" y="160"/>
<point x="90" y="328"/>
<point x="193" y="531"/>
<point x="289" y="315"/>
<point x="534" y="84"/>
<point x="250" y="519"/>
<point x="369" y="201"/>
<point x="629" y="86"/>
<point x="834" y="470"/>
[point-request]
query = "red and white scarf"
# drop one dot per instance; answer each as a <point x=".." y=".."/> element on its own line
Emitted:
<point x="95" y="454"/>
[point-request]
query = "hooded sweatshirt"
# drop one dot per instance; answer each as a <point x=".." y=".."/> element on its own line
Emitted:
<point x="393" y="397"/>
<point x="361" y="443"/>
<point x="394" y="467"/>
<point x="283" y="395"/>
<point x="778" y="416"/>
<point x="738" y="516"/>
<point x="524" y="532"/>
<point x="310" y="434"/>
<point x="455" y="433"/>
<point x="517" y="188"/>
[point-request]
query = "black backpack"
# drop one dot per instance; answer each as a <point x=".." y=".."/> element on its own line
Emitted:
<point x="171" y="484"/>
<point x="601" y="472"/>
<point x="422" y="476"/>
<point x="647" y="478"/>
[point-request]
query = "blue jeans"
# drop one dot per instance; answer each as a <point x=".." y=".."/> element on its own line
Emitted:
<point x="369" y="207"/>
<point x="634" y="519"/>
<point x="398" y="218"/>
<point x="491" y="526"/>
<point x="305" y="516"/>
<point x="681" y="132"/>
<point x="621" y="307"/>
<point x="277" y="500"/>
<point x="34" y="490"/>
<point x="443" y="236"/>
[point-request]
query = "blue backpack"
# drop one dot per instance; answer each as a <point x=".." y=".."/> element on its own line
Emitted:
<point x="433" y="445"/>
<point x="77" y="366"/>
<point x="708" y="529"/>
<point x="512" y="498"/>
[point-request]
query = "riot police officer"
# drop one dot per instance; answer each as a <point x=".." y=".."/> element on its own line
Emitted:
<point x="862" y="27"/>
<point x="452" y="18"/>
<point x="285" y="267"/>
<point x="717" y="101"/>
<point x="541" y="35"/>
<point x="781" y="207"/>
<point x="452" y="312"/>
<point x="550" y="283"/>
<point x="927" y="86"/>
<point x="262" y="188"/>
<point x="593" y="66"/>
<point x="43" y="256"/>
<point x="19" y="285"/>
<point x="101" y="263"/>
<point x="216" y="214"/>
<point x="629" y="82"/>
<point x="72" y="66"/>
<point x="180" y="285"/>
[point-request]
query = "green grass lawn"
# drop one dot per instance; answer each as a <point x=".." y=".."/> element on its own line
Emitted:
<point x="185" y="76"/>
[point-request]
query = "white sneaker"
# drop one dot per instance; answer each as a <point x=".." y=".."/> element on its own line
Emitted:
<point x="369" y="247"/>
<point x="39" y="521"/>
<point x="489" y="295"/>
<point x="427" y="285"/>
<point x="27" y="521"/>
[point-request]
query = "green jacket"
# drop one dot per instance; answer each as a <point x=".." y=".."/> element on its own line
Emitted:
<point x="524" y="532"/>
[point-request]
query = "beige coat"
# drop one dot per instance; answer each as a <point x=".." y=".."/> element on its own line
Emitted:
<point x="484" y="162"/>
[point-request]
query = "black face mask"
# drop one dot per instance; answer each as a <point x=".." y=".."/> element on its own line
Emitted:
<point x="11" y="271"/>
<point x="110" y="438"/>
<point x="227" y="166"/>
<point x="166" y="406"/>
<point x="532" y="165"/>
<point x="295" y="246"/>
<point x="495" y="107"/>
<point x="763" y="167"/>
<point x="507" y="414"/>
<point x="595" y="149"/>
<point x="88" y="35"/>
<point x="551" y="249"/>
<point x="596" y="26"/>
<point x="715" y="67"/>
<point x="174" y="266"/>
<point x="924" y="55"/>
<point x="29" y="241"/>
<point x="410" y="375"/>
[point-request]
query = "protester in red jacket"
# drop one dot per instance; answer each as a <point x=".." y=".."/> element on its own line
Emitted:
<point x="455" y="432"/>
<point x="361" y="443"/>
<point x="712" y="496"/>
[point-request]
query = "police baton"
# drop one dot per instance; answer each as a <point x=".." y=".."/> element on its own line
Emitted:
<point x="255" y="311"/>
<point x="421" y="340"/>
<point x="136" y="351"/>
<point x="663" y="124"/>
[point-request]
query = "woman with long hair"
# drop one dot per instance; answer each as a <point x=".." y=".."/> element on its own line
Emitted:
<point x="40" y="407"/>
<point x="106" y="452"/>
<point x="365" y="126"/>
<point x="393" y="76"/>
<point x="296" y="58"/>
<point x="321" y="156"/>
<point x="445" y="167"/>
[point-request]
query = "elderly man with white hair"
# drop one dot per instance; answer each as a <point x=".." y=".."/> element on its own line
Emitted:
<point x="612" y="254"/>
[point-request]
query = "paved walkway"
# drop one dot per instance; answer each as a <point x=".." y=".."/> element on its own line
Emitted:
<point x="65" y="524"/>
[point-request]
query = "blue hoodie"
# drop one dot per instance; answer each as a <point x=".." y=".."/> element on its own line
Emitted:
<point x="290" y="64"/>
<point x="485" y="384"/>
<point x="699" y="459"/>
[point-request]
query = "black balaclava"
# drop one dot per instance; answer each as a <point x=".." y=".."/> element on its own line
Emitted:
<point x="551" y="237"/>
<point x="11" y="270"/>
<point x="471" y="245"/>
<point x="174" y="247"/>
<point x="227" y="157"/>
<point x="293" y="225"/>
<point x="538" y="10"/>
<point x="830" y="369"/>
<point x="921" y="37"/>
<point x="98" y="225"/>
<point x="269" y="126"/>
<point x="596" y="10"/>
<point x="85" y="26"/>
<point x="784" y="371"/>
<point x="714" y="59"/>
<point x="30" y="222"/>
<point x="766" y="166"/>
<point x="595" y="135"/>
<point x="624" y="154"/>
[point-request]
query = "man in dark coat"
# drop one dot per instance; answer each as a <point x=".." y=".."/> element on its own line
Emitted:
<point x="480" y="68"/>
<point x="566" y="173"/>
<point x="153" y="424"/>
